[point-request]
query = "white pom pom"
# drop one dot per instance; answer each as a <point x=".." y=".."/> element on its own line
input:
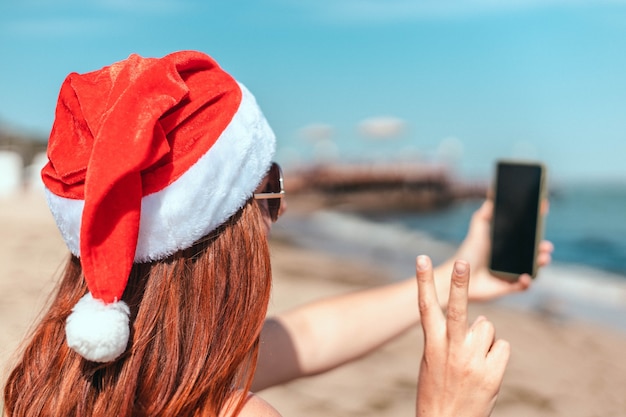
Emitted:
<point x="97" y="331"/>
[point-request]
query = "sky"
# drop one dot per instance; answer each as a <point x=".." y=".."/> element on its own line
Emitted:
<point x="463" y="82"/>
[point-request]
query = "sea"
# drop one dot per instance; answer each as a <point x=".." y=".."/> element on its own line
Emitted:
<point x="586" y="223"/>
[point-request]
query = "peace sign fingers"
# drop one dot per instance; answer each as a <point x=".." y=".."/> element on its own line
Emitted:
<point x="457" y="305"/>
<point x="430" y="311"/>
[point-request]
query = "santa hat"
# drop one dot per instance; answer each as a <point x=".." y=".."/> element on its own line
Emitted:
<point x="146" y="156"/>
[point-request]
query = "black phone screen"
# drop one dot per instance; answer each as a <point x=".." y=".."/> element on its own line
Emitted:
<point x="516" y="214"/>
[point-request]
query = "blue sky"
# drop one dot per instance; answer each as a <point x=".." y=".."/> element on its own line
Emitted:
<point x="467" y="81"/>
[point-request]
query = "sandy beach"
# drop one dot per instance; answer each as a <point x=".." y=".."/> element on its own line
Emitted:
<point x="560" y="365"/>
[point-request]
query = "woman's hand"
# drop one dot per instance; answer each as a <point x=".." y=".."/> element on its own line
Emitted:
<point x="462" y="367"/>
<point x="475" y="250"/>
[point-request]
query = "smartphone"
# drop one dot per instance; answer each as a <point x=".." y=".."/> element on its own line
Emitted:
<point x="517" y="224"/>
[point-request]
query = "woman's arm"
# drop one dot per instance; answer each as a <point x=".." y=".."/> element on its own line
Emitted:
<point x="328" y="333"/>
<point x="324" y="334"/>
<point x="462" y="366"/>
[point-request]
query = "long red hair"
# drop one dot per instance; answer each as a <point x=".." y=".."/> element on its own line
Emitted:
<point x="196" y="318"/>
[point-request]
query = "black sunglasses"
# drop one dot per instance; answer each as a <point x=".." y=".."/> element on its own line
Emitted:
<point x="273" y="190"/>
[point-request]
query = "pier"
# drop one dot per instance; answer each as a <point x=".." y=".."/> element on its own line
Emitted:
<point x="380" y="186"/>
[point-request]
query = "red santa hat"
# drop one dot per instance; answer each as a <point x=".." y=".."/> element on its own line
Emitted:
<point x="146" y="156"/>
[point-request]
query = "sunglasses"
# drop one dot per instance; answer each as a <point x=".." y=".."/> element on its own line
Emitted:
<point x="273" y="190"/>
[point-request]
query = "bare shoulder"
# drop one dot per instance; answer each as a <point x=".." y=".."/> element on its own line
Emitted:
<point x="257" y="406"/>
<point x="254" y="406"/>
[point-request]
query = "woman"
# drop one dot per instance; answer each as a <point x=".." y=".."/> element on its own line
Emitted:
<point x="161" y="180"/>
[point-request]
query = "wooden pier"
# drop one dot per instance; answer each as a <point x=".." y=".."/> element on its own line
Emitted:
<point x="371" y="187"/>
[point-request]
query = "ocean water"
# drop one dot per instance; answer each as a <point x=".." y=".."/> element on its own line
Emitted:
<point x="586" y="223"/>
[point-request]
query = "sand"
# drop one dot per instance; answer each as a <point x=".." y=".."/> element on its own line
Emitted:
<point x="560" y="366"/>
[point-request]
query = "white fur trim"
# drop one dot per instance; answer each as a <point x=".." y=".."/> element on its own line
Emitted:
<point x="97" y="331"/>
<point x="203" y="198"/>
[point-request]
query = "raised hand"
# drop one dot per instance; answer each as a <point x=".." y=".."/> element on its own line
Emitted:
<point x="475" y="249"/>
<point x="463" y="366"/>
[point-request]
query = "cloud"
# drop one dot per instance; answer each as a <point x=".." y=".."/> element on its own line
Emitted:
<point x="144" y="6"/>
<point x="450" y="150"/>
<point x="316" y="132"/>
<point x="63" y="18"/>
<point x="325" y="151"/>
<point x="397" y="10"/>
<point x="58" y="26"/>
<point x="384" y="127"/>
<point x="95" y="6"/>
